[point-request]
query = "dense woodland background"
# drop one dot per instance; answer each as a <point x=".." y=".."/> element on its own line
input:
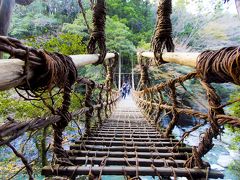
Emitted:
<point x="58" y="25"/>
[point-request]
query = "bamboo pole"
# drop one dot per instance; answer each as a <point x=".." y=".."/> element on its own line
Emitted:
<point x="11" y="71"/>
<point x="182" y="58"/>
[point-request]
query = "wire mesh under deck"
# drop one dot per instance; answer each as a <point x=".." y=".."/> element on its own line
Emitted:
<point x="128" y="145"/>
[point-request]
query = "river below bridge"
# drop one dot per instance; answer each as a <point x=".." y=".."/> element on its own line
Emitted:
<point x="219" y="157"/>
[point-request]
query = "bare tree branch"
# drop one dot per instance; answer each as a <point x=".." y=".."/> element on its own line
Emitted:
<point x="6" y="9"/>
<point x="237" y="2"/>
<point x="24" y="2"/>
<point x="24" y="161"/>
<point x="21" y="169"/>
<point x="84" y="16"/>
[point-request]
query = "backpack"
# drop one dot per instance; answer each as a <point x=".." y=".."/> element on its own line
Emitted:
<point x="124" y="87"/>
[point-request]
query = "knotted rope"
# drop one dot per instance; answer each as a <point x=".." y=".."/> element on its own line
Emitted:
<point x="163" y="31"/>
<point x="220" y="66"/>
<point x="144" y="81"/>
<point x="66" y="80"/>
<point x="109" y="67"/>
<point x="217" y="66"/>
<point x="99" y="110"/>
<point x="48" y="70"/>
<point x="98" y="33"/>
<point x="89" y="104"/>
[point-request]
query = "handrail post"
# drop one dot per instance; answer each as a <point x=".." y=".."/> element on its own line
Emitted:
<point x="119" y="71"/>
<point x="133" y="84"/>
<point x="88" y="104"/>
<point x="144" y="78"/>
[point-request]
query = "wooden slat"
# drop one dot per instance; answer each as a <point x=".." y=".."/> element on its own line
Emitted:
<point x="127" y="125"/>
<point x="182" y="156"/>
<point x="126" y="161"/>
<point x="99" y="134"/>
<point x="131" y="171"/>
<point x="75" y="147"/>
<point x="135" y="131"/>
<point x="129" y="143"/>
<point x="126" y="139"/>
<point x="114" y="125"/>
<point x="130" y="127"/>
<point x="130" y="132"/>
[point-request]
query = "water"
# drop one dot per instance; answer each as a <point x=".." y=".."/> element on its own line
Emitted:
<point x="220" y="156"/>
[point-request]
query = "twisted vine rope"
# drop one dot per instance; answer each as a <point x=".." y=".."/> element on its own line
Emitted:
<point x="220" y="66"/>
<point x="144" y="81"/>
<point x="61" y="156"/>
<point x="88" y="103"/>
<point x="98" y="33"/>
<point x="48" y="70"/>
<point x="99" y="110"/>
<point x="109" y="67"/>
<point x="217" y="66"/>
<point x="163" y="31"/>
<point x="13" y="129"/>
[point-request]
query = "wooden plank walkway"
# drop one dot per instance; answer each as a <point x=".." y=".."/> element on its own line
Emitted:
<point x="127" y="144"/>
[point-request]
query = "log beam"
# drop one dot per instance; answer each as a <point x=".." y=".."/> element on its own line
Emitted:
<point x="11" y="71"/>
<point x="182" y="58"/>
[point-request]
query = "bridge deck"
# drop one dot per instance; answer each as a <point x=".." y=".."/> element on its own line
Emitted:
<point x="127" y="144"/>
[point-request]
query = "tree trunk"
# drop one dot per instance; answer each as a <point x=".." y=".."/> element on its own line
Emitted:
<point x="43" y="147"/>
<point x="24" y="2"/>
<point x="237" y="2"/>
<point x="6" y="9"/>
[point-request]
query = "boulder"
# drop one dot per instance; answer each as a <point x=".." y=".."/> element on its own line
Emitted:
<point x="224" y="160"/>
<point x="217" y="167"/>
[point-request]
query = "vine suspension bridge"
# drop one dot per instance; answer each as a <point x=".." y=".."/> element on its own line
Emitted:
<point x="121" y="137"/>
<point x="130" y="142"/>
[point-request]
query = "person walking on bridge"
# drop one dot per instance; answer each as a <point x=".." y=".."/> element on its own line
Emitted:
<point x="124" y="90"/>
<point x="128" y="88"/>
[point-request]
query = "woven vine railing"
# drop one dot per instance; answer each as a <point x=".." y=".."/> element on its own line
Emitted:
<point x="45" y="76"/>
<point x="162" y="99"/>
